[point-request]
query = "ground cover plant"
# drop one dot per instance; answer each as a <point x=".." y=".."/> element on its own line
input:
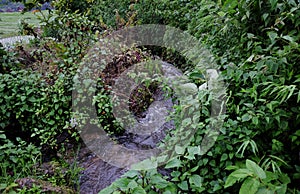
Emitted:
<point x="254" y="43"/>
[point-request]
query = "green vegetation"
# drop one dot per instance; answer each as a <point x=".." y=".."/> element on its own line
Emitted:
<point x="256" y="47"/>
<point x="256" y="180"/>
<point x="10" y="22"/>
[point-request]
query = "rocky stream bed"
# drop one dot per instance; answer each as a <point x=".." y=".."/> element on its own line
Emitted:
<point x="98" y="174"/>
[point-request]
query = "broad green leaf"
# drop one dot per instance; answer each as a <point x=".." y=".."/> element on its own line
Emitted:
<point x="193" y="150"/>
<point x="132" y="185"/>
<point x="249" y="186"/>
<point x="264" y="16"/>
<point x="196" y="180"/>
<point x="183" y="185"/>
<point x="230" y="181"/>
<point x="284" y="178"/>
<point x="173" y="163"/>
<point x="107" y="190"/>
<point x="257" y="170"/>
<point x="194" y="169"/>
<point x="255" y="120"/>
<point x="224" y="157"/>
<point x="270" y="176"/>
<point x="175" y="174"/>
<point x="246" y="117"/>
<point x="209" y="153"/>
<point x="273" y="4"/>
<point x="51" y="122"/>
<point x="171" y="189"/>
<point x="288" y="38"/>
<point x="249" y="35"/>
<point x="264" y="190"/>
<point x="179" y="149"/>
<point x="145" y="165"/>
<point x="270" y="106"/>
<point x="196" y="75"/>
<point x="236" y="176"/>
<point x="2" y="136"/>
<point x="122" y="183"/>
<point x="186" y="122"/>
<point x="221" y="13"/>
<point x="131" y="174"/>
<point x="23" y="98"/>
<point x="272" y="35"/>
<point x="14" y="159"/>
<point x="3" y="186"/>
<point x="159" y="182"/>
<point x="139" y="190"/>
<point x="241" y="173"/>
<point x="281" y="189"/>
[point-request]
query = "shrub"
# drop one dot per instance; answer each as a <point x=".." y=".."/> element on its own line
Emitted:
<point x="256" y="45"/>
<point x="39" y="109"/>
<point x="16" y="160"/>
<point x="256" y="180"/>
<point x="257" y="50"/>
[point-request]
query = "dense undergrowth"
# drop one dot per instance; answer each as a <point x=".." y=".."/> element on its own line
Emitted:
<point x="254" y="43"/>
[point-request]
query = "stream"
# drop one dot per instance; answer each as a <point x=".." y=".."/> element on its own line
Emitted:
<point x="98" y="174"/>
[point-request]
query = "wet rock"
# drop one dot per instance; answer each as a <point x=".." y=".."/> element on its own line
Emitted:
<point x="97" y="174"/>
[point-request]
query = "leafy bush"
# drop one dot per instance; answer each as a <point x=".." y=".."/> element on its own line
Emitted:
<point x="36" y="86"/>
<point x="17" y="160"/>
<point x="116" y="14"/>
<point x="141" y="182"/>
<point x="37" y="80"/>
<point x="27" y="102"/>
<point x="257" y="49"/>
<point x="256" y="180"/>
<point x="8" y="60"/>
<point x="257" y="46"/>
<point x="72" y="6"/>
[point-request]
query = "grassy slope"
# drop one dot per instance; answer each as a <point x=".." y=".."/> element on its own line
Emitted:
<point x="9" y="22"/>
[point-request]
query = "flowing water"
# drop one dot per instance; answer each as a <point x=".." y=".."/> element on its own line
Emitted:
<point x="98" y="174"/>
